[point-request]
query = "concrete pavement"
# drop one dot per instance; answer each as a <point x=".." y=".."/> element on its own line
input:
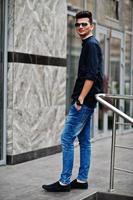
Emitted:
<point x="23" y="181"/>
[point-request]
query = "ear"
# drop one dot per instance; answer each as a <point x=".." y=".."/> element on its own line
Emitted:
<point x="92" y="27"/>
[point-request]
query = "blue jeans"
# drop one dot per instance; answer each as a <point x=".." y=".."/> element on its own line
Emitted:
<point x="77" y="125"/>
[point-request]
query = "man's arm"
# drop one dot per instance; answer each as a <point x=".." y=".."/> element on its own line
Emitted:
<point x="86" y="88"/>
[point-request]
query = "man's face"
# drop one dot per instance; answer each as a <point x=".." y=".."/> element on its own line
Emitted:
<point x="83" y="27"/>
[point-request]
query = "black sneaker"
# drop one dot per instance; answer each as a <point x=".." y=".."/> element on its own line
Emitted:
<point x="56" y="187"/>
<point x="76" y="185"/>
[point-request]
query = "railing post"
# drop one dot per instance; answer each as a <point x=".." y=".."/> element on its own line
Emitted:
<point x="112" y="162"/>
<point x="117" y="111"/>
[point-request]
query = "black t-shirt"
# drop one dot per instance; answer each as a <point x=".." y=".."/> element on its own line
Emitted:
<point x="90" y="68"/>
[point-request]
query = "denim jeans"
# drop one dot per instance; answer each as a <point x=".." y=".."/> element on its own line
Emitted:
<point x="77" y="125"/>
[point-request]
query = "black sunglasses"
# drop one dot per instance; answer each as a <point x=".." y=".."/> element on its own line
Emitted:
<point x="83" y="24"/>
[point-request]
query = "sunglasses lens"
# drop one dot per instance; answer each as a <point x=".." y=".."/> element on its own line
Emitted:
<point x="84" y="24"/>
<point x="79" y="24"/>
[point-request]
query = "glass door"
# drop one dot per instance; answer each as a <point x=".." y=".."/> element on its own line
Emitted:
<point x="111" y="42"/>
<point x="128" y="85"/>
<point x="116" y="72"/>
<point x="101" y="112"/>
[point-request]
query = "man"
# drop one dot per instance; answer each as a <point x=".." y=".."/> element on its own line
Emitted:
<point x="88" y="83"/>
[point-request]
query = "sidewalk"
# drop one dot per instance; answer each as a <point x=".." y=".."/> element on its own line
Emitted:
<point x="23" y="181"/>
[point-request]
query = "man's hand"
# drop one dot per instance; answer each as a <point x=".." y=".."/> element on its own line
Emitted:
<point x="77" y="107"/>
<point x="77" y="104"/>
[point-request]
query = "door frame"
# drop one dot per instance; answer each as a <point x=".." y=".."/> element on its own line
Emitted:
<point x="5" y="34"/>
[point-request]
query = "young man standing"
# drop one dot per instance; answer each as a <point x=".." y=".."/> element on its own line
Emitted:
<point x="88" y="83"/>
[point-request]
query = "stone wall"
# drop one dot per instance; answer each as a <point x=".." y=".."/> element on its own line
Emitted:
<point x="36" y="90"/>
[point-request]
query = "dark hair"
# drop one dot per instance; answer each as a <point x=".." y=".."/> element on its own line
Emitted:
<point x="84" y="14"/>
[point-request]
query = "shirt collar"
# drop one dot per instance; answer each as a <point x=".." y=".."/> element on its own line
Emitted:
<point x="85" y="39"/>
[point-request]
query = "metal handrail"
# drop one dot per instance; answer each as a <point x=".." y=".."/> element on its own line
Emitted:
<point x="100" y="97"/>
<point x="115" y="110"/>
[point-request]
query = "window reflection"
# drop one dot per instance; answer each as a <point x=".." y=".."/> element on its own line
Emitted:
<point x="81" y="4"/>
<point x="128" y="73"/>
<point x="73" y="52"/>
<point x="126" y="16"/>
<point x="77" y="3"/>
<point x="114" y="72"/>
<point x="128" y="65"/>
<point x="115" y="13"/>
<point x="114" y="65"/>
<point x="102" y="40"/>
<point x="91" y="6"/>
<point x="108" y="8"/>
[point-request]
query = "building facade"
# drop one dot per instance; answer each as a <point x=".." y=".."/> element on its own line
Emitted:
<point x="38" y="66"/>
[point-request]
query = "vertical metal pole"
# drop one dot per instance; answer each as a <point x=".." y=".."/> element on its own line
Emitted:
<point x="112" y="163"/>
<point x="5" y="80"/>
<point x="131" y="90"/>
<point x="84" y="3"/>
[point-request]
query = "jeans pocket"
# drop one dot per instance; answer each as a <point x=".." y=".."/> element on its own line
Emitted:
<point x="76" y="108"/>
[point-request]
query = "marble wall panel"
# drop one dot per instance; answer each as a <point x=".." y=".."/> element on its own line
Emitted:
<point x="36" y="94"/>
<point x="10" y="110"/>
<point x="11" y="10"/>
<point x="38" y="86"/>
<point x="40" y="27"/>
<point x="44" y="133"/>
<point x="38" y="111"/>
